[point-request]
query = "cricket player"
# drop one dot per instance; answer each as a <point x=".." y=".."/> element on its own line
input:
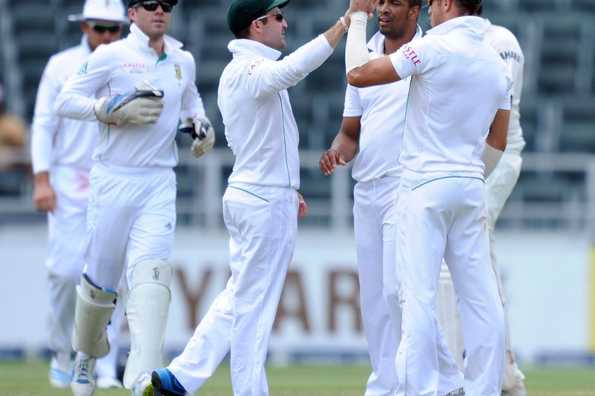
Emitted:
<point x="460" y="92"/>
<point x="373" y="120"/>
<point x="61" y="154"/>
<point x="499" y="186"/>
<point x="261" y="204"/>
<point x="139" y="89"/>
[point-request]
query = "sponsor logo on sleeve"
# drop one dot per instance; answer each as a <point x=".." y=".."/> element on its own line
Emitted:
<point x="505" y="55"/>
<point x="411" y="55"/>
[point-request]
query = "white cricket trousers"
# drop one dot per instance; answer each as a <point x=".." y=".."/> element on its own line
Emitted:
<point x="445" y="217"/>
<point x="374" y="226"/>
<point x="66" y="243"/>
<point x="66" y="247"/>
<point x="131" y="220"/>
<point x="262" y="225"/>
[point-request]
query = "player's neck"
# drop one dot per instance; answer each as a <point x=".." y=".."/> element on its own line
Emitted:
<point x="158" y="44"/>
<point x="392" y="44"/>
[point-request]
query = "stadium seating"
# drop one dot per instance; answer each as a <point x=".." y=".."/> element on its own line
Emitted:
<point x="557" y="37"/>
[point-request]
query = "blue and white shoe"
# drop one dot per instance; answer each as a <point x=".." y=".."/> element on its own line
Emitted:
<point x="60" y="373"/>
<point x="166" y="384"/>
<point x="83" y="382"/>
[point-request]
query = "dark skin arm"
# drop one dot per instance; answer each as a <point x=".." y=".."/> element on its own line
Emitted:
<point x="499" y="130"/>
<point x="375" y="72"/>
<point x="344" y="147"/>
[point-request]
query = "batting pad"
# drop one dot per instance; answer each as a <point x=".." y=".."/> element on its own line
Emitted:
<point x="147" y="310"/>
<point x="94" y="308"/>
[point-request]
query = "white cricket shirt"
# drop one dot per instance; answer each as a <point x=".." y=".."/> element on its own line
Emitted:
<point x="507" y="46"/>
<point x="259" y="124"/>
<point x="458" y="84"/>
<point x="57" y="141"/>
<point x="382" y="111"/>
<point x="118" y="68"/>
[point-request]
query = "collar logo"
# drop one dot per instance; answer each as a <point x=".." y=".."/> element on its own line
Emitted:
<point x="178" y="72"/>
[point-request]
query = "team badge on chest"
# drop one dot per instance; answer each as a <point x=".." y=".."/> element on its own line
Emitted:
<point x="178" y="72"/>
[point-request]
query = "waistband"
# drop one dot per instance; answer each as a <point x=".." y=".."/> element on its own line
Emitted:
<point x="380" y="180"/>
<point x="264" y="192"/>
<point x="141" y="171"/>
<point x="412" y="179"/>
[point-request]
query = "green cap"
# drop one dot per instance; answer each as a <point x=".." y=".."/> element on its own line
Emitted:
<point x="241" y="13"/>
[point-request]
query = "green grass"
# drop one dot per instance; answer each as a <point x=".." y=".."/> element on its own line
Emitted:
<point x="29" y="379"/>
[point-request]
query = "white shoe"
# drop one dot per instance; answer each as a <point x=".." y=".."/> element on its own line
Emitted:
<point x="108" y="383"/>
<point x="60" y="373"/>
<point x="83" y="383"/>
<point x="514" y="381"/>
<point x="142" y="386"/>
<point x="518" y="389"/>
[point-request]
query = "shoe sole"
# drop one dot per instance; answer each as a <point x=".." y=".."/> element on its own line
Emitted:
<point x="158" y="387"/>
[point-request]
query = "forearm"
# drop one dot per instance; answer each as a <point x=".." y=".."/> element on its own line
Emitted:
<point x="42" y="177"/>
<point x="356" y="52"/>
<point x="41" y="148"/>
<point x="304" y="60"/>
<point x="346" y="145"/>
<point x="336" y="32"/>
<point x="77" y="106"/>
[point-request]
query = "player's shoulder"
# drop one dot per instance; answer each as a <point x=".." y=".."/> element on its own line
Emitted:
<point x="504" y="41"/>
<point x="185" y="57"/>
<point x="111" y="51"/>
<point x="68" y="56"/>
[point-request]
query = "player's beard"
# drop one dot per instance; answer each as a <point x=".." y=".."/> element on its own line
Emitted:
<point x="393" y="33"/>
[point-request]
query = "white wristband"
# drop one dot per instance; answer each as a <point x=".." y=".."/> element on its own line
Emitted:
<point x="345" y="26"/>
<point x="490" y="158"/>
<point x="356" y="52"/>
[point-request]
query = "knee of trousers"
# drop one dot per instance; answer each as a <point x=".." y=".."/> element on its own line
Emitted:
<point x="147" y="310"/>
<point x="94" y="308"/>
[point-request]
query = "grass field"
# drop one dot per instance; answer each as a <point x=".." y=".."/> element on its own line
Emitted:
<point x="29" y="379"/>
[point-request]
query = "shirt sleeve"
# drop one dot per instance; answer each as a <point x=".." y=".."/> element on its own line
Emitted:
<point x="192" y="104"/>
<point x="266" y="77"/>
<point x="353" y="106"/>
<point x="77" y="98"/>
<point x="45" y="120"/>
<point x="416" y="57"/>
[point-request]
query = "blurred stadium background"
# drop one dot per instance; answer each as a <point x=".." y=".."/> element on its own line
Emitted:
<point x="545" y="232"/>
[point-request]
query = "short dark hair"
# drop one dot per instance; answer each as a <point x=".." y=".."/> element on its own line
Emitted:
<point x="470" y="7"/>
<point x="414" y="3"/>
<point x="245" y="32"/>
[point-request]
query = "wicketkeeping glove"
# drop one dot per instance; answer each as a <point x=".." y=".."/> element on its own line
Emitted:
<point x="143" y="106"/>
<point x="202" y="133"/>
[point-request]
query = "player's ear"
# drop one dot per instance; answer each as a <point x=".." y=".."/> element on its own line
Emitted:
<point x="132" y="14"/>
<point x="414" y="12"/>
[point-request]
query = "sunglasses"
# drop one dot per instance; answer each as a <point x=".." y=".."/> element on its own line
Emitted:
<point x="278" y="17"/>
<point x="113" y="29"/>
<point x="152" y="5"/>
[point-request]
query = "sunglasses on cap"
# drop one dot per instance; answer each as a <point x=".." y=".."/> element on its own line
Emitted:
<point x="278" y="17"/>
<point x="98" y="28"/>
<point x="151" y="5"/>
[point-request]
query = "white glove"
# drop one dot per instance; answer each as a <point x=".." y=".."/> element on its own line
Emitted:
<point x="203" y="136"/>
<point x="143" y="106"/>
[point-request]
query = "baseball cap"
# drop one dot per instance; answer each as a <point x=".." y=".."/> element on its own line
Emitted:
<point x="241" y="13"/>
<point x="103" y="10"/>
<point x="133" y="2"/>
